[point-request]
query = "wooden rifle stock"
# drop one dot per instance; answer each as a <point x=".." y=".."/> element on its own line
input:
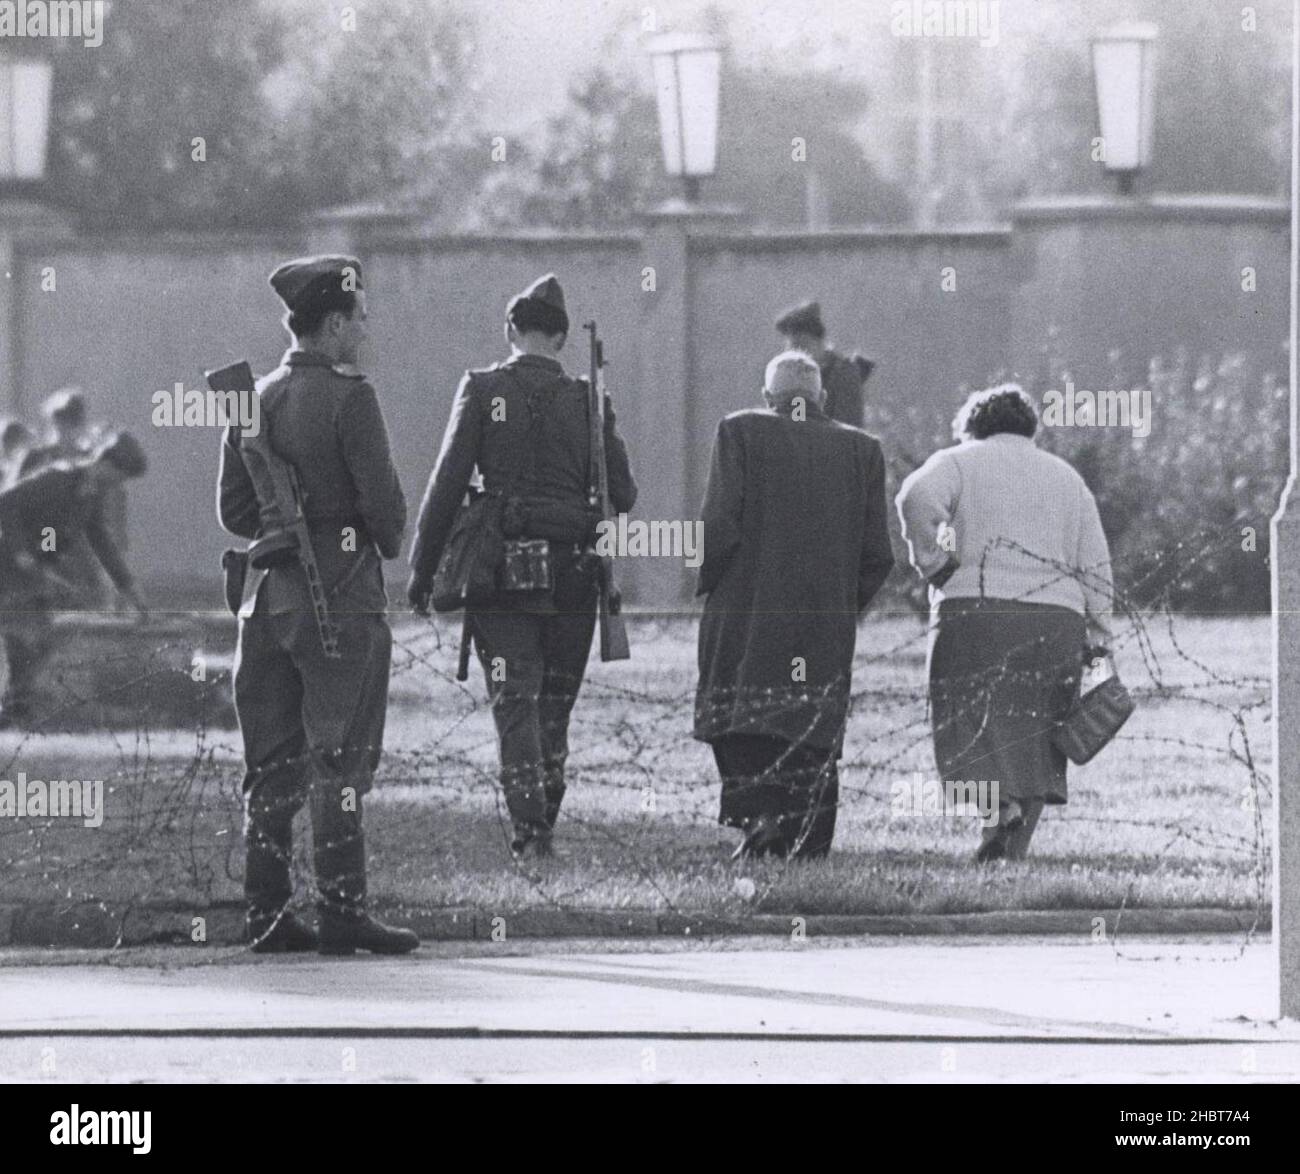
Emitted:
<point x="279" y="497"/>
<point x="613" y="631"/>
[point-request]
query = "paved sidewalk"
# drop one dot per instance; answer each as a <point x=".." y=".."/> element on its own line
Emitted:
<point x="1006" y="1009"/>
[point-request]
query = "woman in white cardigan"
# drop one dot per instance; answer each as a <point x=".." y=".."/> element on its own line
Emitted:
<point x="1010" y="541"/>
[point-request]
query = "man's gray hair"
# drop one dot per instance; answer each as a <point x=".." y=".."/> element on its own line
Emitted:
<point x="793" y="373"/>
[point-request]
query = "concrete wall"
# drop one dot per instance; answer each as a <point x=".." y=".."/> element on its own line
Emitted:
<point x="131" y="316"/>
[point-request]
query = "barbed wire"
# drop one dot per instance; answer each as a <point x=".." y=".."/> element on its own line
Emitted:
<point x="639" y="830"/>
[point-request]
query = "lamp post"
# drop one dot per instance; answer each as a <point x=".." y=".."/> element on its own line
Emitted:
<point x="25" y="85"/>
<point x="687" y="74"/>
<point x="1124" y="76"/>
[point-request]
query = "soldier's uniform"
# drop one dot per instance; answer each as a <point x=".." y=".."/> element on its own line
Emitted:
<point x="844" y="378"/>
<point x="65" y="500"/>
<point x="313" y="726"/>
<point x="524" y="424"/>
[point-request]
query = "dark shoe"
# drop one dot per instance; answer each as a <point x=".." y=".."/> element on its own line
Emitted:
<point x="1011" y="818"/>
<point x="534" y="838"/>
<point x="347" y="933"/>
<point x="281" y="935"/>
<point x="763" y="837"/>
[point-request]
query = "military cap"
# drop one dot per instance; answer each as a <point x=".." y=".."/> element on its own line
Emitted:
<point x="123" y="451"/>
<point x="804" y="319"/>
<point x="540" y="307"/>
<point x="67" y="406"/>
<point x="305" y="277"/>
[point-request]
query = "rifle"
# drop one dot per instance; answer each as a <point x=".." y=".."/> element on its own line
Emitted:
<point x="279" y="498"/>
<point x="613" y="631"/>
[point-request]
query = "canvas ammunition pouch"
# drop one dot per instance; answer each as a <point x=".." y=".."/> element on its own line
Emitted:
<point x="526" y="565"/>
<point x="486" y="554"/>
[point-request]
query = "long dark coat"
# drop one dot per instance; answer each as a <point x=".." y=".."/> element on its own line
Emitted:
<point x="796" y="544"/>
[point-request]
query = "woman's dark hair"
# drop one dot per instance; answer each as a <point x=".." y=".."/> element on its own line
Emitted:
<point x="320" y="298"/>
<point x="526" y="314"/>
<point x="1005" y="408"/>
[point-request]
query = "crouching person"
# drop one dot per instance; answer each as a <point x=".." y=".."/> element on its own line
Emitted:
<point x="796" y="544"/>
<point x="46" y="521"/>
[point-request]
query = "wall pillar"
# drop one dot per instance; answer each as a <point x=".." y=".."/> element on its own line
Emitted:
<point x="1286" y="670"/>
<point x="667" y="410"/>
<point x="21" y="222"/>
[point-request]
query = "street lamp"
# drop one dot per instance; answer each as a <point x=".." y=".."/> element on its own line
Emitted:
<point x="688" y="72"/>
<point x="1124" y="73"/>
<point x="24" y="120"/>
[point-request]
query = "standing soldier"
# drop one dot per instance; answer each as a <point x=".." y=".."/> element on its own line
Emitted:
<point x="313" y="724"/>
<point x="843" y="379"/>
<point x="524" y="424"/>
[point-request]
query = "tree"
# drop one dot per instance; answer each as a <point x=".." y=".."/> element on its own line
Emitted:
<point x="160" y="124"/>
<point x="376" y="106"/>
<point x="600" y="157"/>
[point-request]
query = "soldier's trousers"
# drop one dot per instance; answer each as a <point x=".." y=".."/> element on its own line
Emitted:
<point x="313" y="729"/>
<point x="533" y="665"/>
<point x="798" y="786"/>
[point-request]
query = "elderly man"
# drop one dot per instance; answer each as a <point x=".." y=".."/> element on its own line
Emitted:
<point x="796" y="545"/>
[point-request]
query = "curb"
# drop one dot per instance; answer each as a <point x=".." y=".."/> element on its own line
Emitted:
<point x="92" y="926"/>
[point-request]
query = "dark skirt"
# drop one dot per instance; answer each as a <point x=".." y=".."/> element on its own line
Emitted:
<point x="1002" y="674"/>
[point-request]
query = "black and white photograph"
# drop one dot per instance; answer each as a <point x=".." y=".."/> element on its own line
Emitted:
<point x="626" y="542"/>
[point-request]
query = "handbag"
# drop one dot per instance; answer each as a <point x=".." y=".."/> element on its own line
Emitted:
<point x="1103" y="706"/>
<point x="478" y="560"/>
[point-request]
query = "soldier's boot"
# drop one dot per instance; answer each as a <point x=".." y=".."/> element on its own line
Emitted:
<point x="272" y="928"/>
<point x="526" y="802"/>
<point x="345" y="926"/>
<point x="554" y="788"/>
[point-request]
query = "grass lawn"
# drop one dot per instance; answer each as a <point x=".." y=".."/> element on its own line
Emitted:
<point x="1177" y="812"/>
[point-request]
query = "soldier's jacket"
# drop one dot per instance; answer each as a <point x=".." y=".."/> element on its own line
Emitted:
<point x="62" y="497"/>
<point x="489" y="428"/>
<point x="325" y="421"/>
<point x="844" y="389"/>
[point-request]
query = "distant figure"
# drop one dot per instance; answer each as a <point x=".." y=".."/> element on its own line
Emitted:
<point x="71" y="438"/>
<point x="15" y="441"/>
<point x="524" y="425"/>
<point x="68" y="426"/>
<point x="1011" y="543"/>
<point x="61" y="502"/>
<point x="796" y="546"/>
<point x="844" y="379"/>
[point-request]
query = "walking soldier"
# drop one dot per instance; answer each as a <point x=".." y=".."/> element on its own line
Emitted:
<point x="312" y="694"/>
<point x="524" y="424"/>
